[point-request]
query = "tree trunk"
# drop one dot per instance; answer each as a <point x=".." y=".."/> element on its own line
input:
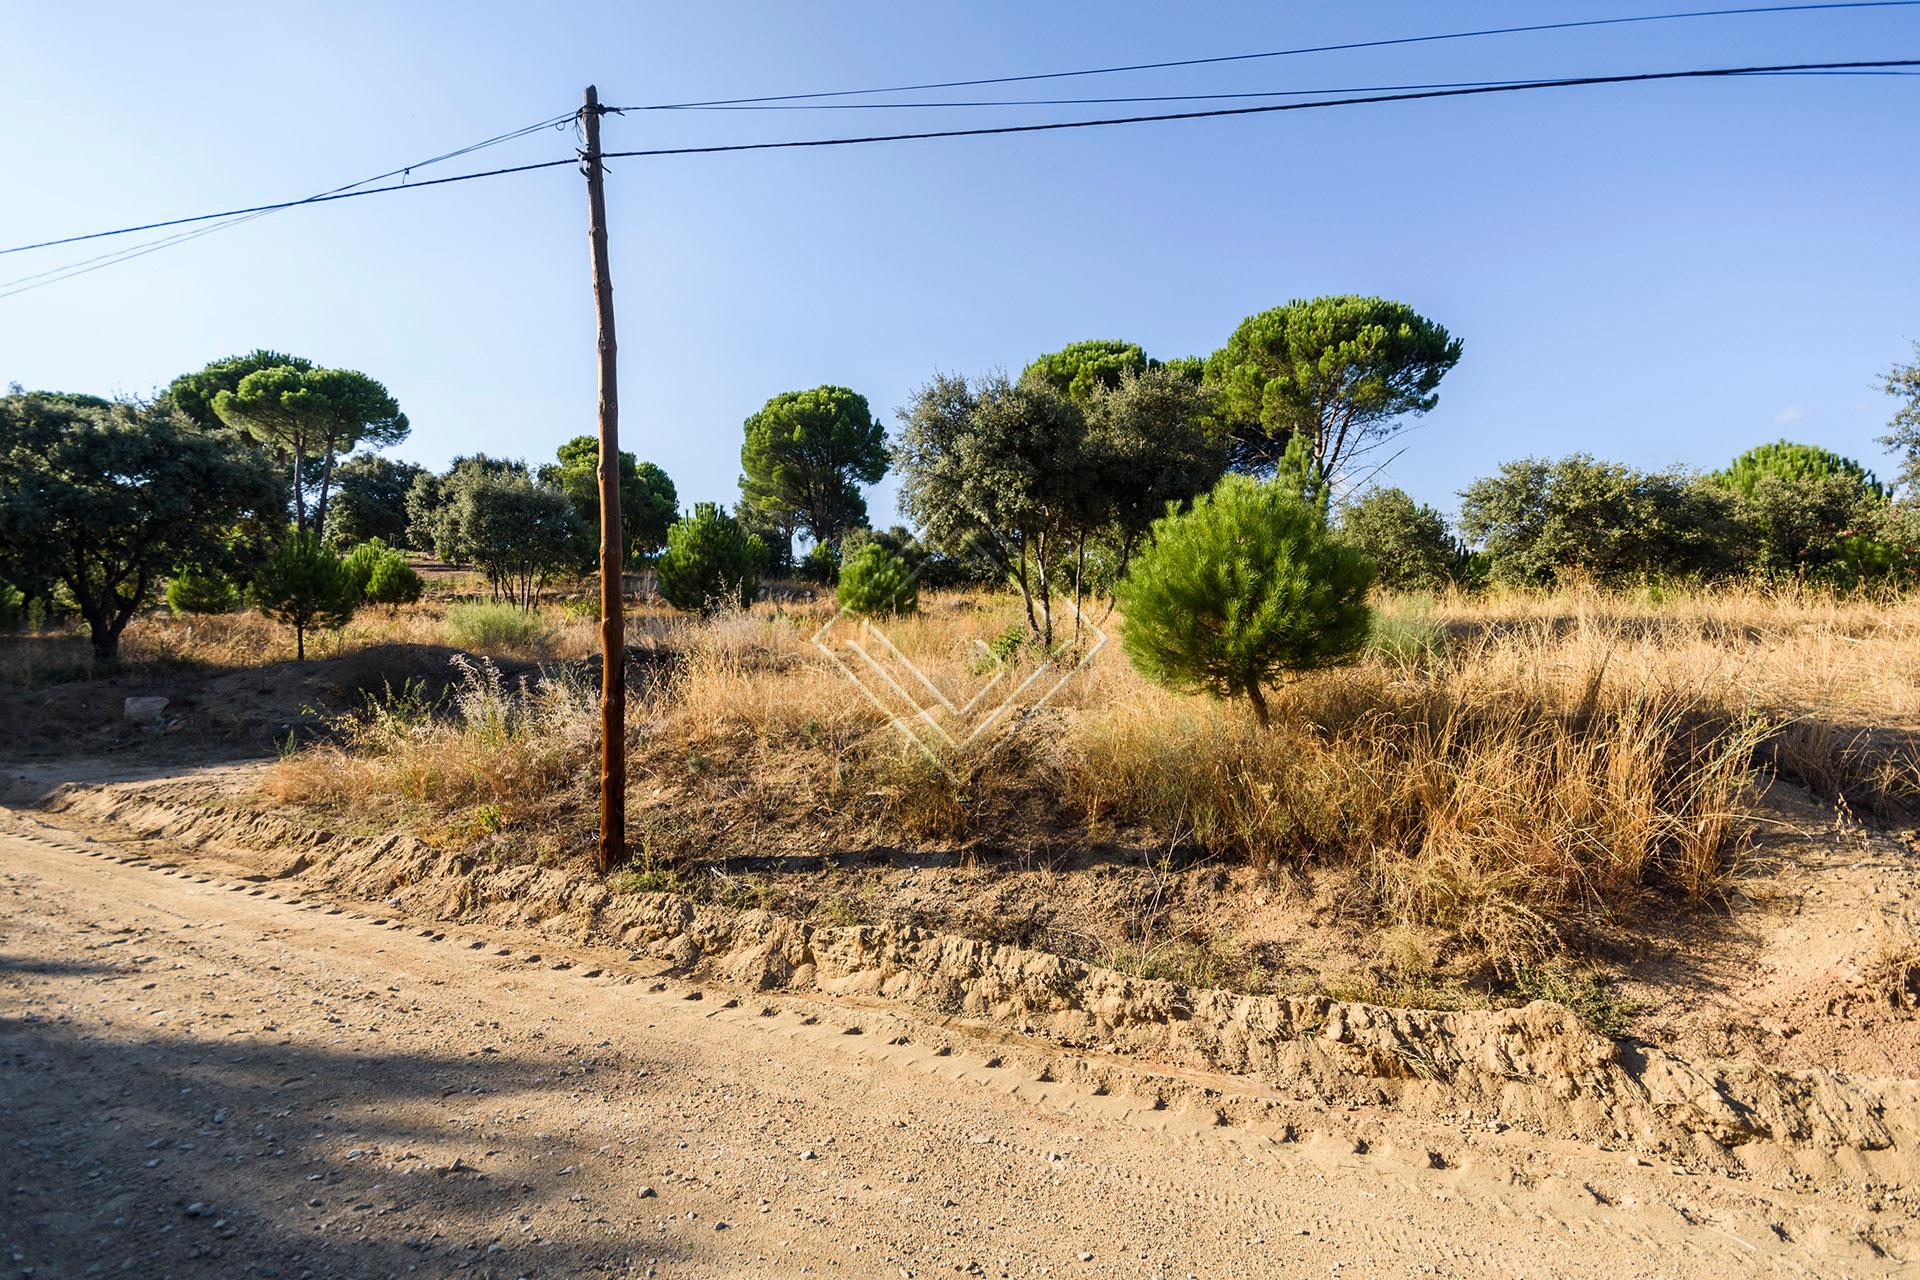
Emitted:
<point x="1079" y="575"/>
<point x="326" y="485"/>
<point x="106" y="641"/>
<point x="299" y="496"/>
<point x="1259" y="701"/>
<point x="299" y="643"/>
<point x="1026" y="591"/>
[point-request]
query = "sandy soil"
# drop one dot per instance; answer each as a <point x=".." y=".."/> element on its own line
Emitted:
<point x="211" y="1073"/>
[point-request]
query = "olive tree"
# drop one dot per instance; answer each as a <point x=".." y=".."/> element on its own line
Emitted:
<point x="1055" y="491"/>
<point x="1409" y="543"/>
<point x="519" y="532"/>
<point x="371" y="500"/>
<point x="1241" y="590"/>
<point x="106" y="500"/>
<point x="434" y="511"/>
<point x="998" y="468"/>
<point x="1539" y="520"/>
<point x="1903" y="384"/>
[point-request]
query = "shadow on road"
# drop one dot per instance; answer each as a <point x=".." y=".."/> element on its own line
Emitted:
<point x="160" y="1154"/>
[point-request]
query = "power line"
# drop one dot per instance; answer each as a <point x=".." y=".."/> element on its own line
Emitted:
<point x="289" y="204"/>
<point x="1515" y="87"/>
<point x="336" y="193"/>
<point x="1749" y="10"/>
<point x="1185" y="97"/>
<point x="86" y="266"/>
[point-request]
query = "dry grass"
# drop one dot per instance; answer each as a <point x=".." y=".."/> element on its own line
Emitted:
<point x="235" y="641"/>
<point x="502" y="754"/>
<point x="1511" y="774"/>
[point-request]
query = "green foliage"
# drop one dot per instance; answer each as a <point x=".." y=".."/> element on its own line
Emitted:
<point x="491" y="513"/>
<point x="1146" y="444"/>
<point x="804" y="457"/>
<point x="192" y="590"/>
<point x="1340" y="371"/>
<point x="309" y="414"/>
<point x="1054" y="492"/>
<point x="775" y="539"/>
<point x="104" y="501"/>
<point x="520" y="533"/>
<point x="193" y="394"/>
<point x="998" y="469"/>
<point x="932" y="566"/>
<point x="1077" y="369"/>
<point x="1812" y="526"/>
<point x="1242" y="589"/>
<point x="1796" y="463"/>
<point x="710" y="562"/>
<point x="1540" y="521"/>
<point x="360" y="561"/>
<point x="1582" y="993"/>
<point x="1410" y="545"/>
<point x="433" y="513"/>
<point x="393" y="582"/>
<point x="304" y="585"/>
<point x="381" y="575"/>
<point x="496" y="628"/>
<point x="875" y="581"/>
<point x="370" y="501"/>
<point x="1903" y="436"/>
<point x="821" y="564"/>
<point x="648" y="501"/>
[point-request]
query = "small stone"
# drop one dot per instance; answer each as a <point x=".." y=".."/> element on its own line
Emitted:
<point x="143" y="710"/>
<point x="648" y="1193"/>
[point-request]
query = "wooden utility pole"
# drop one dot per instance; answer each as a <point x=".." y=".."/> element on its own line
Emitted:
<point x="613" y="624"/>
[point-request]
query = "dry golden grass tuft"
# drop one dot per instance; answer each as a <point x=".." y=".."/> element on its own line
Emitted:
<point x="1509" y="774"/>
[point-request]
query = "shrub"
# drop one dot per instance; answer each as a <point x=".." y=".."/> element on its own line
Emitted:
<point x="821" y="564"/>
<point x="875" y="581"/>
<point x="381" y="575"/>
<point x="709" y="562"/>
<point x="304" y="585"/>
<point x="360" y="563"/>
<point x="495" y="628"/>
<point x="201" y="591"/>
<point x="1409" y="544"/>
<point x="1245" y="586"/>
<point x="1541" y="520"/>
<point x="393" y="582"/>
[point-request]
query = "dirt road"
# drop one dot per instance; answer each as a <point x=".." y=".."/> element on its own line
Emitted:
<point x="203" y="1076"/>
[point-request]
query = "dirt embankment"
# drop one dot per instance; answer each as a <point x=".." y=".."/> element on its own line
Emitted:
<point x="1537" y="1068"/>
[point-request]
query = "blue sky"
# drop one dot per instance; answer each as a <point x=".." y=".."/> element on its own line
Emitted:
<point x="1655" y="273"/>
